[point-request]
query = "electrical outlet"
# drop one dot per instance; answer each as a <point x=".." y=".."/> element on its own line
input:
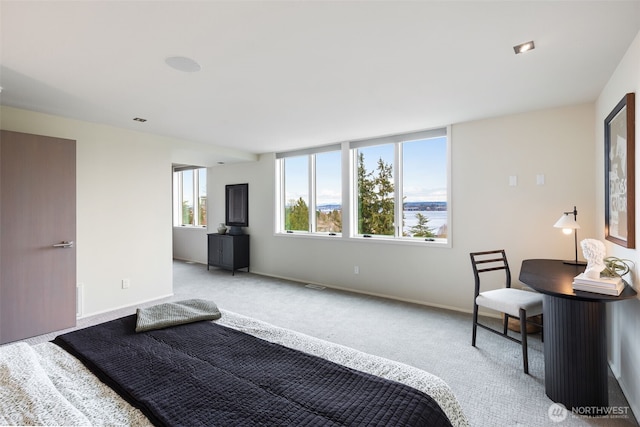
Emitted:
<point x="126" y="283"/>
<point x="356" y="269"/>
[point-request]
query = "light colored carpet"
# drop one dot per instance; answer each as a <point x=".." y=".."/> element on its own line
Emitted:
<point x="488" y="380"/>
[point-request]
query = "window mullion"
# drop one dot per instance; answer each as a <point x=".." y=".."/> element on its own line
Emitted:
<point x="178" y="209"/>
<point x="182" y="199"/>
<point x="280" y="219"/>
<point x="196" y="197"/>
<point x="397" y="184"/>
<point x="354" y="193"/>
<point x="312" y="193"/>
<point x="283" y="188"/>
<point x="348" y="190"/>
<point x="196" y="201"/>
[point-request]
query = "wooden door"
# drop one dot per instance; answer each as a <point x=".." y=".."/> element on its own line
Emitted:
<point x="37" y="211"/>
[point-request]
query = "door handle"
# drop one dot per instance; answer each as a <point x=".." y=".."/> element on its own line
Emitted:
<point x="64" y="245"/>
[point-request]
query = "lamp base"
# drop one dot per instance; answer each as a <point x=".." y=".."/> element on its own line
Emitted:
<point x="574" y="262"/>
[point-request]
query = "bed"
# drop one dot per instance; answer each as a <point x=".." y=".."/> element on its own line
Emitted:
<point x="45" y="384"/>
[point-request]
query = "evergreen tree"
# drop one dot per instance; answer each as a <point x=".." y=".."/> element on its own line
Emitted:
<point x="386" y="199"/>
<point x="365" y="198"/>
<point x="298" y="216"/>
<point x="375" y="199"/>
<point x="421" y="229"/>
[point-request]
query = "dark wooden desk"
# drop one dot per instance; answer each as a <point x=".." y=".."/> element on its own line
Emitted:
<point x="575" y="344"/>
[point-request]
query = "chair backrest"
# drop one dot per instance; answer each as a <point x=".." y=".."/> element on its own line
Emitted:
<point x="486" y="261"/>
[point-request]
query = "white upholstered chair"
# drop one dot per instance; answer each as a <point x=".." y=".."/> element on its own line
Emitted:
<point x="516" y="303"/>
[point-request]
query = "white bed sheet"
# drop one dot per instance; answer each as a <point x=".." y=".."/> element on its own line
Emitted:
<point x="45" y="385"/>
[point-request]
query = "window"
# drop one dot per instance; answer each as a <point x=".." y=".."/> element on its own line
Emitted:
<point x="190" y="196"/>
<point x="296" y="188"/>
<point x="328" y="192"/>
<point x="424" y="188"/>
<point x="375" y="194"/>
<point x="398" y="188"/>
<point x="311" y="200"/>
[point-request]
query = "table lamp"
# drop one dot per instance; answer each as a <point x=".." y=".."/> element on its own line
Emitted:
<point x="568" y="223"/>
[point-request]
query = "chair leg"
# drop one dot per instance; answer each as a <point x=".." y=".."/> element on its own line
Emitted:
<point x="505" y="324"/>
<point x="475" y="324"/>
<point x="523" y="338"/>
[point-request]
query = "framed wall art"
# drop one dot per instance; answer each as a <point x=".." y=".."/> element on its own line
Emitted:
<point x="619" y="173"/>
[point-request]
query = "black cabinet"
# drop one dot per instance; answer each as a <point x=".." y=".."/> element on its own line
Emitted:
<point x="228" y="251"/>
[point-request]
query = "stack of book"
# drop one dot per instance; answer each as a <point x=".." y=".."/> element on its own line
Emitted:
<point x="602" y="285"/>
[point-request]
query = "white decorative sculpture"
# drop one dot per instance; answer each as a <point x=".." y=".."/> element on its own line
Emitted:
<point x="594" y="252"/>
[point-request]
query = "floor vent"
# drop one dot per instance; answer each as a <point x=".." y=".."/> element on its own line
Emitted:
<point x="316" y="287"/>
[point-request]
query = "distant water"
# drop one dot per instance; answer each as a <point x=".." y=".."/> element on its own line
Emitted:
<point x="436" y="219"/>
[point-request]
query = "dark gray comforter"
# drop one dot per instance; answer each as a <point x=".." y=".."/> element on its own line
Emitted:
<point x="206" y="374"/>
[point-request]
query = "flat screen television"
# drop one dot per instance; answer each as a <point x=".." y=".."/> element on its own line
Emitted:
<point x="237" y="207"/>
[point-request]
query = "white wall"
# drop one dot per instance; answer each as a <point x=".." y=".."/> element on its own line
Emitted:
<point x="487" y="212"/>
<point x="123" y="208"/>
<point x="623" y="317"/>
<point x="190" y="244"/>
<point x="124" y="227"/>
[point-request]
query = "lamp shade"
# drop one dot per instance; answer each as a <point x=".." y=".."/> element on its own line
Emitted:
<point x="567" y="221"/>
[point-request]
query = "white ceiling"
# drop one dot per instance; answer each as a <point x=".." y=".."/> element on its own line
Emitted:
<point x="278" y="75"/>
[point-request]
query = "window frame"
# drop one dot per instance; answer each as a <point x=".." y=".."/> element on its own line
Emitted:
<point x="311" y="192"/>
<point x="349" y="183"/>
<point x="178" y="196"/>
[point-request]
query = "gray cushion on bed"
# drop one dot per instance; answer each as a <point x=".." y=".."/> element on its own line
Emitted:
<point x="175" y="313"/>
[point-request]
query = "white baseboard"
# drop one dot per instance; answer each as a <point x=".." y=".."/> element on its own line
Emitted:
<point x="135" y="304"/>
<point x="634" y="405"/>
<point x="189" y="260"/>
<point x="373" y="294"/>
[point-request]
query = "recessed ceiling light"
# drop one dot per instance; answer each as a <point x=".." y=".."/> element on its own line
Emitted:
<point x="139" y="119"/>
<point x="524" y="47"/>
<point x="182" y="63"/>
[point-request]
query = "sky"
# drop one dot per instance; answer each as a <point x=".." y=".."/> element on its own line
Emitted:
<point x="424" y="163"/>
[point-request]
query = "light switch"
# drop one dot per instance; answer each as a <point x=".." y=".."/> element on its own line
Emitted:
<point x="540" y="179"/>
<point x="513" y="180"/>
